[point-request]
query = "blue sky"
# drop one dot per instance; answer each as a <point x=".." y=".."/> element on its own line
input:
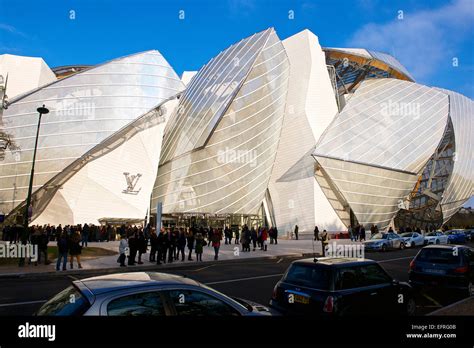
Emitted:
<point x="427" y="36"/>
<point x="430" y="35"/>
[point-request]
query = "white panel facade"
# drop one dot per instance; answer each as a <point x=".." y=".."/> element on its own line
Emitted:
<point x="24" y="73"/>
<point x="311" y="105"/>
<point x="85" y="109"/>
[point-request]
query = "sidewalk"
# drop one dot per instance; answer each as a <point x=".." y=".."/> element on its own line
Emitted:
<point x="226" y="253"/>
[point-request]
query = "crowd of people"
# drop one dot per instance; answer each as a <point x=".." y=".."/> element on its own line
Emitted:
<point x="173" y="244"/>
<point x="170" y="244"/>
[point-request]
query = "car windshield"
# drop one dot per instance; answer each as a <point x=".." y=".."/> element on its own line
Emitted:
<point x="438" y="255"/>
<point x="309" y="276"/>
<point x="379" y="236"/>
<point x="68" y="302"/>
<point x="408" y="234"/>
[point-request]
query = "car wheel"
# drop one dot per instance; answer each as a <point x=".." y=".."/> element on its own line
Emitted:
<point x="384" y="248"/>
<point x="413" y="244"/>
<point x="402" y="246"/>
<point x="437" y="241"/>
<point x="470" y="289"/>
<point x="411" y="306"/>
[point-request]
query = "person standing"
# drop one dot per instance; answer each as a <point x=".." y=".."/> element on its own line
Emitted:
<point x="133" y="246"/>
<point x="153" y="245"/>
<point x="362" y="233"/>
<point x="296" y="232"/>
<point x="171" y="246"/>
<point x="199" y="246"/>
<point x="75" y="249"/>
<point x="275" y="234"/>
<point x="85" y="235"/>
<point x="254" y="238"/>
<point x="123" y="249"/>
<point x="141" y="246"/>
<point x="324" y="241"/>
<point x="190" y="242"/>
<point x="181" y="243"/>
<point x="237" y="235"/>
<point x="264" y="238"/>
<point x="316" y="233"/>
<point x="162" y="240"/>
<point x="62" y="251"/>
<point x="43" y="241"/>
<point x="216" y="243"/>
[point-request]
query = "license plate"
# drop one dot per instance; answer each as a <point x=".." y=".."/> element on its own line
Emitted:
<point x="301" y="299"/>
<point x="434" y="271"/>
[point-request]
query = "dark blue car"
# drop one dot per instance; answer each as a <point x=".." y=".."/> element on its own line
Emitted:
<point x="456" y="236"/>
<point x="444" y="266"/>
<point x="340" y="287"/>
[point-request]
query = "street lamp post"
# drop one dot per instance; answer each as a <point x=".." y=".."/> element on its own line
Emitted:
<point x="42" y="110"/>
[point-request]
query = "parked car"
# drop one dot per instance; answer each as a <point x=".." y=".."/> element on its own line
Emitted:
<point x="384" y="241"/>
<point x="436" y="237"/>
<point x="456" y="236"/>
<point x="413" y="239"/>
<point x="469" y="234"/>
<point x="340" y="286"/>
<point x="146" y="294"/>
<point x="444" y="266"/>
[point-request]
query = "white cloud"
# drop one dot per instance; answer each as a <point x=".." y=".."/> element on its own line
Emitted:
<point x="422" y="40"/>
<point x="11" y="29"/>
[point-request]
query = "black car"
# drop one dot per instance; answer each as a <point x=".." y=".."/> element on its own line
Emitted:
<point x="340" y="286"/>
<point x="443" y="266"/>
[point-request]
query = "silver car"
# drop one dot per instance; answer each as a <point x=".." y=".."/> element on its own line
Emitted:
<point x="384" y="242"/>
<point x="146" y="294"/>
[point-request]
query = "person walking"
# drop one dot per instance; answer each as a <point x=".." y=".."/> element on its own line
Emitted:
<point x="316" y="233"/>
<point x="296" y="232"/>
<point x="200" y="243"/>
<point x="62" y="251"/>
<point x="75" y="249"/>
<point x="123" y="250"/>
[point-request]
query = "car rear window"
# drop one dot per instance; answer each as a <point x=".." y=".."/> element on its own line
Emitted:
<point x="70" y="301"/>
<point x="309" y="276"/>
<point x="438" y="255"/>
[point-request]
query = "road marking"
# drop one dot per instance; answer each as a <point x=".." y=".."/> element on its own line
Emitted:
<point x="21" y="303"/>
<point x="200" y="269"/>
<point x="244" y="279"/>
<point x="400" y="258"/>
<point x="432" y="300"/>
<point x="73" y="278"/>
<point x="279" y="260"/>
<point x="451" y="305"/>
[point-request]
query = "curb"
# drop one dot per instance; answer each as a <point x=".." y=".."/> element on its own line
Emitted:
<point x="118" y="269"/>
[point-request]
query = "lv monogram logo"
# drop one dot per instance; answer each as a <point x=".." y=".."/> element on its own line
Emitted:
<point x="132" y="181"/>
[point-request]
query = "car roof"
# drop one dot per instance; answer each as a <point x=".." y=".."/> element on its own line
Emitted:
<point x="335" y="261"/>
<point x="450" y="246"/>
<point x="118" y="281"/>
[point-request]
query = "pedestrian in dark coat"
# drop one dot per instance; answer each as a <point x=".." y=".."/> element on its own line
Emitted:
<point x="133" y="246"/>
<point x="190" y="242"/>
<point x="153" y="245"/>
<point x="62" y="251"/>
<point x="75" y="249"/>
<point x="141" y="246"/>
<point x="181" y="244"/>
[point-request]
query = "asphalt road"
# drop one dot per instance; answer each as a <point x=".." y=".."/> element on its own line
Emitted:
<point x="252" y="279"/>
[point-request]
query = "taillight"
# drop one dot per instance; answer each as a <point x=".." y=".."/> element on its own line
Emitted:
<point x="464" y="269"/>
<point x="328" y="305"/>
<point x="274" y="294"/>
<point x="412" y="265"/>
